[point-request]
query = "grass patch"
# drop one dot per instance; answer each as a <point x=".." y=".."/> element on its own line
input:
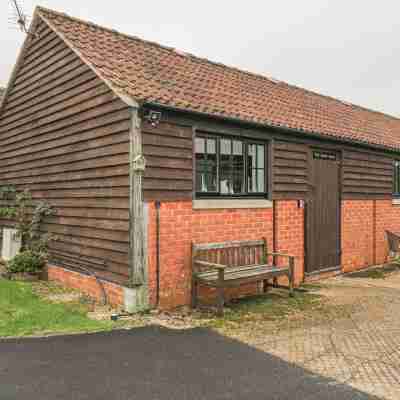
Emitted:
<point x="24" y="313"/>
<point x="275" y="306"/>
<point x="375" y="273"/>
<point x="312" y="286"/>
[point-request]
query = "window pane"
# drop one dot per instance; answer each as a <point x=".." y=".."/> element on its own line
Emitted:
<point x="252" y="155"/>
<point x="260" y="156"/>
<point x="252" y="184"/>
<point x="225" y="166"/>
<point x="260" y="181"/>
<point x="200" y="145"/>
<point x="232" y="179"/>
<point x="256" y="168"/>
<point x="206" y="165"/>
<point x="226" y="146"/>
<point x="211" y="146"/>
<point x="238" y="168"/>
<point x="237" y="148"/>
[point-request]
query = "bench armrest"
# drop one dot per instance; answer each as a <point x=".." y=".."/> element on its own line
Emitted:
<point x="212" y="265"/>
<point x="280" y="255"/>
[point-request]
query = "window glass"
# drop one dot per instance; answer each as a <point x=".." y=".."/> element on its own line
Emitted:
<point x="256" y="168"/>
<point x="206" y="165"/>
<point x="238" y="168"/>
<point x="229" y="167"/>
<point x="226" y="167"/>
<point x="396" y="182"/>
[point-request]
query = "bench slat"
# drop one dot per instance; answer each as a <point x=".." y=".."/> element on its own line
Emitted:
<point x="227" y="245"/>
<point x="239" y="262"/>
<point x="238" y="273"/>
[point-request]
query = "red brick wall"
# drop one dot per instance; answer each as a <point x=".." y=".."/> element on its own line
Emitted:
<point x="363" y="243"/>
<point x="357" y="234"/>
<point x="363" y="231"/>
<point x="180" y="225"/>
<point x="290" y="233"/>
<point x="387" y="218"/>
<point x="87" y="284"/>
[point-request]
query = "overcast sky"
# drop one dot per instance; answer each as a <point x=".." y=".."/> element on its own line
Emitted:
<point x="347" y="49"/>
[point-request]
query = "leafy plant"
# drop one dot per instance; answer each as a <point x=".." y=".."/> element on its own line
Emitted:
<point x="28" y="222"/>
<point x="28" y="216"/>
<point x="26" y="261"/>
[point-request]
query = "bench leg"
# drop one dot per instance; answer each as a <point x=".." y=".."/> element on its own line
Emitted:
<point x="291" y="290"/>
<point x="194" y="293"/>
<point x="275" y="284"/>
<point x="221" y="301"/>
<point x="265" y="286"/>
<point x="291" y="276"/>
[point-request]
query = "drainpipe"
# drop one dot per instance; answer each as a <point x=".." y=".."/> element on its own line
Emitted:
<point x="274" y="229"/>
<point x="158" y="206"/>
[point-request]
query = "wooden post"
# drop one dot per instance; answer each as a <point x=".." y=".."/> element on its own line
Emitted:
<point x="137" y="220"/>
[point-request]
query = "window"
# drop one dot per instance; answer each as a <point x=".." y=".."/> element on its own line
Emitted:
<point x="229" y="167"/>
<point x="396" y="177"/>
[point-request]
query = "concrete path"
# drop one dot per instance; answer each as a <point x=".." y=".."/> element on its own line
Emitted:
<point x="357" y="345"/>
<point x="156" y="363"/>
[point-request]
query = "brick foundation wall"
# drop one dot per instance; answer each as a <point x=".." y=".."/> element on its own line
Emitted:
<point x="87" y="284"/>
<point x="363" y="244"/>
<point x="180" y="225"/>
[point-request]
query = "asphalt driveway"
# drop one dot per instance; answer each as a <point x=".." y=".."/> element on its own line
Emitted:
<point x="155" y="363"/>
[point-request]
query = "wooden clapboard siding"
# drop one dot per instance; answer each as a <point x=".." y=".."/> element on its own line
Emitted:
<point x="169" y="159"/>
<point x="289" y="170"/>
<point x="65" y="135"/>
<point x="366" y="175"/>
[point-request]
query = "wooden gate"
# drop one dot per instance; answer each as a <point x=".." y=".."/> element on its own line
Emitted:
<point x="323" y="213"/>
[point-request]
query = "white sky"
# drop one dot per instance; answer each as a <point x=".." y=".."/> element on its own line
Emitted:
<point x="345" y="49"/>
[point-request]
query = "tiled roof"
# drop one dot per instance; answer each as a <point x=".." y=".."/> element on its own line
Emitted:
<point x="152" y="73"/>
<point x="2" y="90"/>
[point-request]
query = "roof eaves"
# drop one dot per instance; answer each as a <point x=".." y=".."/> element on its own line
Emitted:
<point x="281" y="128"/>
<point x="130" y="101"/>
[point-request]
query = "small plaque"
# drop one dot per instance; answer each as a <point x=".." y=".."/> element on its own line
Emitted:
<point x="323" y="155"/>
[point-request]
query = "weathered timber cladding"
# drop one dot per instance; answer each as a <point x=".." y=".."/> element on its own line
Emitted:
<point x="289" y="170"/>
<point x="169" y="161"/>
<point x="366" y="175"/>
<point x="65" y="136"/>
<point x="168" y="147"/>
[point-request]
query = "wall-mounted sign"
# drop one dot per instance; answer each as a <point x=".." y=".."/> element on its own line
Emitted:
<point x="323" y="155"/>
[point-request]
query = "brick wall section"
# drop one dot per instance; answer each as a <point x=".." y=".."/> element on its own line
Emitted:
<point x="363" y="232"/>
<point x="357" y="234"/>
<point x="387" y="218"/>
<point x="290" y="233"/>
<point x="363" y="243"/>
<point x="87" y="284"/>
<point x="180" y="225"/>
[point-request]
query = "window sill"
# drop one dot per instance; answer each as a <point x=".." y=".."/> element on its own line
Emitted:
<point x="208" y="204"/>
<point x="396" y="202"/>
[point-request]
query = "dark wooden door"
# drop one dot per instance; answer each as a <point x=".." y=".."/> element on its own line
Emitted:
<point x="323" y="213"/>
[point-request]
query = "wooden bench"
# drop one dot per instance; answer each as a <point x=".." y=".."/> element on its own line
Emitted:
<point x="231" y="264"/>
<point x="394" y="244"/>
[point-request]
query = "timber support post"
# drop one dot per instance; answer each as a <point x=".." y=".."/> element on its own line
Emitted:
<point x="136" y="296"/>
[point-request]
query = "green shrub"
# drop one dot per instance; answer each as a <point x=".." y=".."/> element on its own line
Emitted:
<point x="26" y="261"/>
